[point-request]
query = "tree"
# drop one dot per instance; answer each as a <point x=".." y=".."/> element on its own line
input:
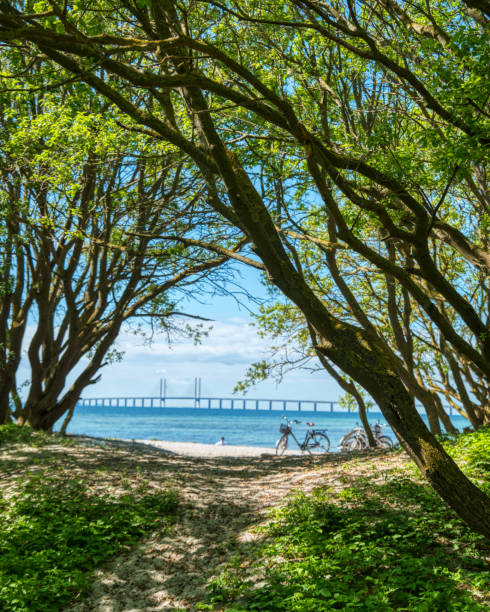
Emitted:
<point x="81" y="199"/>
<point x="284" y="323"/>
<point x="371" y="299"/>
<point x="209" y="94"/>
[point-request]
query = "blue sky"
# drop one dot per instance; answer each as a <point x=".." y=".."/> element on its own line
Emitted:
<point x="221" y="360"/>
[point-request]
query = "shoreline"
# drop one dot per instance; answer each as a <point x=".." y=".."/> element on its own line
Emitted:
<point x="187" y="449"/>
<point x="198" y="449"/>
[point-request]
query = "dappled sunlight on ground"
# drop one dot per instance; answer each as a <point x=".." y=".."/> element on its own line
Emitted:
<point x="222" y="500"/>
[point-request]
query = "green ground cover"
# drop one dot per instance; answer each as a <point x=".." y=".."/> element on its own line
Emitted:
<point x="54" y="532"/>
<point x="380" y="544"/>
<point x="14" y="434"/>
<point x="377" y="541"/>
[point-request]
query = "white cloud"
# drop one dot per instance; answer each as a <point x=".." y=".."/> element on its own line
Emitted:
<point x="231" y="341"/>
<point x="221" y="360"/>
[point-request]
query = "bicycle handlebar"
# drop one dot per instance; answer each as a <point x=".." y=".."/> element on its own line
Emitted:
<point x="290" y="420"/>
<point x="296" y="422"/>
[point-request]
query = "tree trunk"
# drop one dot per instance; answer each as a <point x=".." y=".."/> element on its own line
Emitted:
<point x="50" y="407"/>
<point x="68" y="418"/>
<point x="4" y="402"/>
<point x="470" y="409"/>
<point x="46" y="420"/>
<point x="8" y="390"/>
<point x="443" y="416"/>
<point x="353" y="350"/>
<point x="364" y="419"/>
<point x="465" y="498"/>
<point x="350" y="388"/>
<point x="433" y="419"/>
<point x="45" y="414"/>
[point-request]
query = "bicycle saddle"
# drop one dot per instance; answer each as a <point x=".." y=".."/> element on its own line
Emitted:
<point x="310" y="424"/>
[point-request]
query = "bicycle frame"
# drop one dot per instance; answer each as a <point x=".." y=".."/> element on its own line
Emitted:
<point x="358" y="433"/>
<point x="302" y="445"/>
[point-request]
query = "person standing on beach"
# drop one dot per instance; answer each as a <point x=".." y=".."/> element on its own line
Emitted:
<point x="220" y="442"/>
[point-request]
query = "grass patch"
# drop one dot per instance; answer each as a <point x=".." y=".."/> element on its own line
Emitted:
<point x="472" y="453"/>
<point x="13" y="434"/>
<point x="54" y="531"/>
<point x="383" y="546"/>
<point x="16" y="434"/>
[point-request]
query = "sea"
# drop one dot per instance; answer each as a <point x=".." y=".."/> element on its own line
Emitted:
<point x="238" y="427"/>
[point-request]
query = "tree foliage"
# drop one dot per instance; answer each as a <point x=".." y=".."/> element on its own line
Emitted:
<point x="343" y="125"/>
<point x="90" y="213"/>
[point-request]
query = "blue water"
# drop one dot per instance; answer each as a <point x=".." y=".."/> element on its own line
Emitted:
<point x="240" y="427"/>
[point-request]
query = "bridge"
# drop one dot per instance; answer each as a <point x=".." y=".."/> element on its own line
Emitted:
<point x="222" y="403"/>
<point x="163" y="400"/>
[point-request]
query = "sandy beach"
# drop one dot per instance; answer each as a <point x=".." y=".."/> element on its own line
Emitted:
<point x="187" y="449"/>
<point x="194" y="449"/>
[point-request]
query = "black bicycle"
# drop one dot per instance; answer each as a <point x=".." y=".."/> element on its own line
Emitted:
<point x="316" y="440"/>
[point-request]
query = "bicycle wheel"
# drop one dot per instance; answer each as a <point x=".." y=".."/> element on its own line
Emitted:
<point x="282" y="444"/>
<point x="384" y="442"/>
<point x="347" y="441"/>
<point x="362" y="441"/>
<point x="353" y="442"/>
<point x="317" y="443"/>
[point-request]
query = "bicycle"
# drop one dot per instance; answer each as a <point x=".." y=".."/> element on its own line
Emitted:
<point x="316" y="440"/>
<point x="357" y="439"/>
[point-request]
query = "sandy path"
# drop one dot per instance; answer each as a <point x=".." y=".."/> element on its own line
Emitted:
<point x="222" y="500"/>
<point x="188" y="449"/>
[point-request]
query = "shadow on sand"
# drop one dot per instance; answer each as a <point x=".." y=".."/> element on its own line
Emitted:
<point x="221" y="500"/>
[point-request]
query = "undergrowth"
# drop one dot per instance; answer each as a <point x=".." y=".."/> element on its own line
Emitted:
<point x="15" y="434"/>
<point x="383" y="546"/>
<point x="11" y="434"/>
<point x="54" y="533"/>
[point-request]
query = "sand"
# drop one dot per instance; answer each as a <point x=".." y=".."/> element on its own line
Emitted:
<point x="226" y="493"/>
<point x="186" y="449"/>
<point x="194" y="449"/>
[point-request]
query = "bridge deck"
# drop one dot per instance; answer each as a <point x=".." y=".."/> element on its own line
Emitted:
<point x="229" y="403"/>
<point x="223" y="403"/>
